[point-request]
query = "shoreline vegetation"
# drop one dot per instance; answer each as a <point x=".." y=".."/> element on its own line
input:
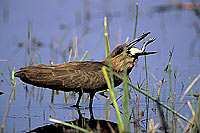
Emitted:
<point x="131" y="115"/>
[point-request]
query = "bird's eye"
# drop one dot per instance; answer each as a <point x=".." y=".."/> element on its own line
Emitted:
<point x="120" y="50"/>
<point x="117" y="51"/>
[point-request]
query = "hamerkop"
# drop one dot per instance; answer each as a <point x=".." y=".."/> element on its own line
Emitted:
<point x="85" y="76"/>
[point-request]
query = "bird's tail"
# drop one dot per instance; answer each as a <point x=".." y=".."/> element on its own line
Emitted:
<point x="19" y="74"/>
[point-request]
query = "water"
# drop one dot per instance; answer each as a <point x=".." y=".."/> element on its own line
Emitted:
<point x="171" y="28"/>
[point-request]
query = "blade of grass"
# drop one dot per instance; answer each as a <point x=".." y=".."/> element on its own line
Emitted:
<point x="190" y="86"/>
<point x="75" y="53"/>
<point x="191" y="108"/>
<point x="170" y="94"/>
<point x="166" y="68"/>
<point x="126" y="97"/>
<point x="52" y="96"/>
<point x="37" y="97"/>
<point x="13" y="82"/>
<point x="2" y="73"/>
<point x="153" y="98"/>
<point x="53" y="110"/>
<point x="36" y="58"/>
<point x="40" y="58"/>
<point x="85" y="54"/>
<point x="197" y="117"/>
<point x="9" y="102"/>
<point x="192" y="95"/>
<point x="107" y="45"/>
<point x="162" y="117"/>
<point x="107" y="49"/>
<point x="136" y="18"/>
<point x="38" y="87"/>
<point x="147" y="88"/>
<point x="120" y="123"/>
<point x="64" y="97"/>
<point x="70" y="125"/>
<point x="6" y="113"/>
<point x="70" y="54"/>
<point x="152" y="126"/>
<point x="29" y="38"/>
<point x="42" y="92"/>
<point x="52" y="92"/>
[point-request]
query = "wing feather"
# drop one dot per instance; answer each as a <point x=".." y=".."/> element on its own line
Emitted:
<point x="69" y="76"/>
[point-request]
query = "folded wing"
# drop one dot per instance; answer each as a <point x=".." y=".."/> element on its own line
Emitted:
<point x="67" y="77"/>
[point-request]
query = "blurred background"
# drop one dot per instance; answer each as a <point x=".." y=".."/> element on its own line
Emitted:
<point x="48" y="30"/>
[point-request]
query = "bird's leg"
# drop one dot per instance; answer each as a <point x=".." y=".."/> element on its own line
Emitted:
<point x="79" y="114"/>
<point x="90" y="104"/>
<point x="79" y="99"/>
<point x="91" y="114"/>
<point x="91" y="99"/>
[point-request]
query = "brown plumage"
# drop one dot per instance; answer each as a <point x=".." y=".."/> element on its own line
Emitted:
<point x="86" y="76"/>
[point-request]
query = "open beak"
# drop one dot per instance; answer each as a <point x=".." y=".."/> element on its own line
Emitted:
<point x="131" y="43"/>
<point x="138" y="52"/>
<point x="145" y="45"/>
<point x="145" y="53"/>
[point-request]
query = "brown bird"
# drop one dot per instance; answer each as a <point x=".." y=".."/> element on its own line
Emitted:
<point x="85" y="76"/>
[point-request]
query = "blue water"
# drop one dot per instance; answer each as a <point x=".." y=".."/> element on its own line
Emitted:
<point x="172" y="28"/>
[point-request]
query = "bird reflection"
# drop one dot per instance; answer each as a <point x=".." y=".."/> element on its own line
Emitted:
<point x="90" y="124"/>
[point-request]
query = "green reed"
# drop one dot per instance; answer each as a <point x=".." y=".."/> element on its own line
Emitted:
<point x="9" y="102"/>
<point x="107" y="49"/>
<point x="153" y="98"/>
<point x="70" y="125"/>
<point x="147" y="89"/>
<point x="111" y="89"/>
<point x="13" y="82"/>
<point x="136" y="19"/>
<point x="84" y="56"/>
<point x="107" y="44"/>
<point x="166" y="68"/>
<point x="170" y="94"/>
<point x="126" y="99"/>
<point x="38" y="61"/>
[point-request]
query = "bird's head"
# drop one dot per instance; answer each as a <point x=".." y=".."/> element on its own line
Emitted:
<point x="132" y="53"/>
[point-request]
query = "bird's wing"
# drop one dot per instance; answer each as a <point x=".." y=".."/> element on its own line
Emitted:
<point x="85" y="75"/>
<point x="69" y="75"/>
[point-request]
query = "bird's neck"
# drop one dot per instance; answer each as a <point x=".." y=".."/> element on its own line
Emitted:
<point x="118" y="64"/>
